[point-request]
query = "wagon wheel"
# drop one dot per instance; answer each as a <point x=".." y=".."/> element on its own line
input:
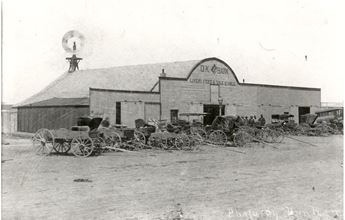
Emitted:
<point x="179" y="142"/>
<point x="61" y="147"/>
<point x="169" y="143"/>
<point x="82" y="146"/>
<point x="218" y="137"/>
<point x="163" y="143"/>
<point x="43" y="142"/>
<point x="269" y="135"/>
<point x="261" y="134"/>
<point x="113" y="140"/>
<point x="99" y="145"/>
<point x="140" y="139"/>
<point x="199" y="135"/>
<point x="152" y="142"/>
<point x="116" y="139"/>
<point x="186" y="140"/>
<point x="277" y="136"/>
<point x="241" y="138"/>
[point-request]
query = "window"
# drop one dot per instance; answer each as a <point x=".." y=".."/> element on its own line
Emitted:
<point x="173" y="115"/>
<point x="118" y="113"/>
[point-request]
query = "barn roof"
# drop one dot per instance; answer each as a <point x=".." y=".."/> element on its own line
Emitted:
<point x="60" y="102"/>
<point x="135" y="77"/>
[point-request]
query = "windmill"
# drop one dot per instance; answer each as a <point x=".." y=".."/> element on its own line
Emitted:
<point x="73" y="42"/>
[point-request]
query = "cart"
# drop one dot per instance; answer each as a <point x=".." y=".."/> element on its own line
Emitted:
<point x="85" y="139"/>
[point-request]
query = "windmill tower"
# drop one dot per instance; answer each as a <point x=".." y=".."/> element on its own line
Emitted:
<point x="73" y="42"/>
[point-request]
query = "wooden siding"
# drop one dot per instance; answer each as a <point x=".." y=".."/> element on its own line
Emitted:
<point x="30" y="119"/>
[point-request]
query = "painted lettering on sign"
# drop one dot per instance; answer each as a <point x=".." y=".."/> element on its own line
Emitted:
<point x="213" y="82"/>
<point x="213" y="69"/>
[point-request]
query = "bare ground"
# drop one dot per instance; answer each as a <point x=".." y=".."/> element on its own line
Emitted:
<point x="291" y="180"/>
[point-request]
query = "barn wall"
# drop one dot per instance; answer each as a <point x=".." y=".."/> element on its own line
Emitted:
<point x="134" y="105"/>
<point x="30" y="119"/>
<point x="239" y="99"/>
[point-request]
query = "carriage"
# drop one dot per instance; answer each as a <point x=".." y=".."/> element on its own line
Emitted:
<point x="173" y="136"/>
<point x="86" y="138"/>
<point x="225" y="129"/>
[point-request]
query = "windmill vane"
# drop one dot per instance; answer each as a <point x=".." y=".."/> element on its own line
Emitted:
<point x="73" y="42"/>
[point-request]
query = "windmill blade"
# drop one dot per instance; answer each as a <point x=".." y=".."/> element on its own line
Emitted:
<point x="70" y="38"/>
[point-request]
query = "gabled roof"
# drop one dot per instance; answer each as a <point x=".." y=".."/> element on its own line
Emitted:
<point x="136" y="77"/>
<point x="60" y="102"/>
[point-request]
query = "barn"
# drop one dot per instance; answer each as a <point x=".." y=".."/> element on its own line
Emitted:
<point x="161" y="91"/>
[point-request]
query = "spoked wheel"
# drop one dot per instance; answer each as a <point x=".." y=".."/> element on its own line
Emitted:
<point x="277" y="136"/>
<point x="152" y="142"/>
<point x="140" y="139"/>
<point x="199" y="135"/>
<point x="82" y="146"/>
<point x="218" y="137"/>
<point x="169" y="143"/>
<point x="112" y="141"/>
<point x="164" y="143"/>
<point x="43" y="142"/>
<point x="241" y="138"/>
<point x="61" y="147"/>
<point x="269" y="135"/>
<point x="182" y="142"/>
<point x="261" y="135"/>
<point x="116" y="139"/>
<point x="99" y="145"/>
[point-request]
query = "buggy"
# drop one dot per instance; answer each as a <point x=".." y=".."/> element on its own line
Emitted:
<point x="227" y="128"/>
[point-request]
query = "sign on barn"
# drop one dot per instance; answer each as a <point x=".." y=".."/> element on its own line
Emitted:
<point x="214" y="73"/>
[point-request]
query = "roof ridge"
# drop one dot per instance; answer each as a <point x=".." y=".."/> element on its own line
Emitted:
<point x="133" y="65"/>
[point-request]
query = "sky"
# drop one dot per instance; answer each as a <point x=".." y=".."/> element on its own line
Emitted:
<point x="291" y="42"/>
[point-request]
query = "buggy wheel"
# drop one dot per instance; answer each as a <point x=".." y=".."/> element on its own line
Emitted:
<point x="241" y="138"/>
<point x="152" y="142"/>
<point x="116" y="139"/>
<point x="164" y="143"/>
<point x="218" y="137"/>
<point x="140" y="139"/>
<point x="269" y="136"/>
<point x="61" y="147"/>
<point x="43" y="141"/>
<point x="187" y="143"/>
<point x="200" y="133"/>
<point x="182" y="142"/>
<point x="99" y="145"/>
<point x="82" y="146"/>
<point x="169" y="143"/>
<point x="113" y="140"/>
<point x="277" y="136"/>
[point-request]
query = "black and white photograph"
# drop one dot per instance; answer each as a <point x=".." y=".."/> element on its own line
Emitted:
<point x="172" y="109"/>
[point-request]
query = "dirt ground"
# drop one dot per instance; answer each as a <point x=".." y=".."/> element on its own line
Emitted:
<point x="291" y="180"/>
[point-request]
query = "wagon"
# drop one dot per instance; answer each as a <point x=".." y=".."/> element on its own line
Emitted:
<point x="143" y="130"/>
<point x="81" y="139"/>
<point x="84" y="139"/>
<point x="170" y="141"/>
<point x="170" y="136"/>
<point x="196" y="126"/>
<point x="128" y="137"/>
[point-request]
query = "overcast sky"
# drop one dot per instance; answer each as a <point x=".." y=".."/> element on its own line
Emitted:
<point x="264" y="41"/>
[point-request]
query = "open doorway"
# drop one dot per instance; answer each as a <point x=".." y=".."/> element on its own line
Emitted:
<point x="302" y="111"/>
<point x="213" y="112"/>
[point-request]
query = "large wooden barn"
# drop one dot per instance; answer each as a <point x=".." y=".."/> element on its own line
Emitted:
<point x="160" y="91"/>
